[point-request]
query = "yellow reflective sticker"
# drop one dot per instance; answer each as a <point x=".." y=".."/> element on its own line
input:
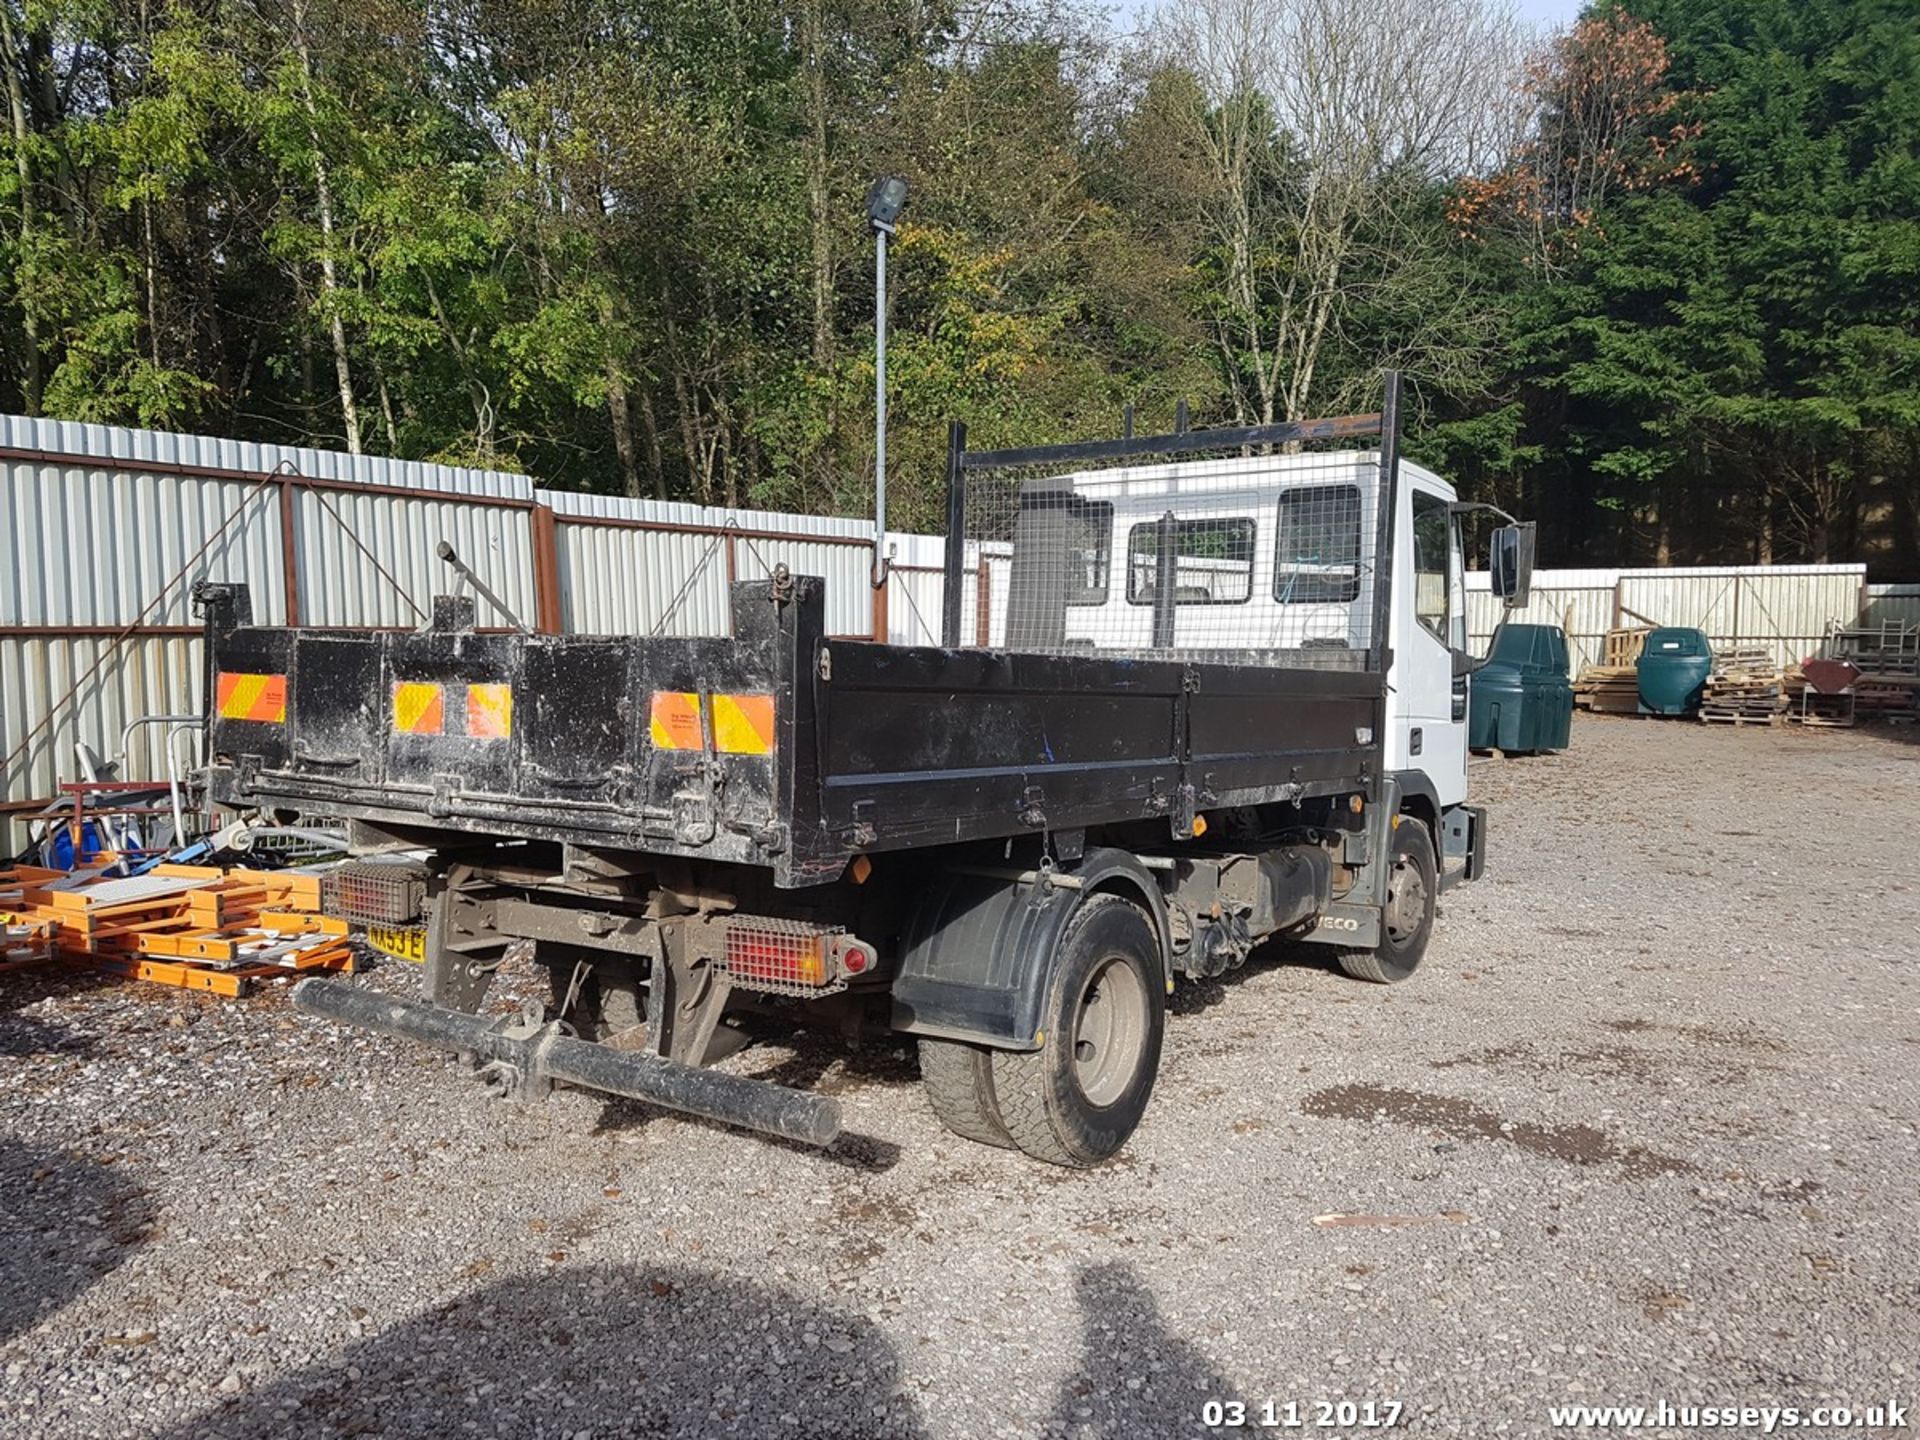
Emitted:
<point x="419" y="708"/>
<point x="252" y="697"/>
<point x="743" y="724"/>
<point x="489" y="711"/>
<point x="674" y="720"/>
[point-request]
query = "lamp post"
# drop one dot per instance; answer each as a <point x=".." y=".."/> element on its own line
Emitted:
<point x="884" y="202"/>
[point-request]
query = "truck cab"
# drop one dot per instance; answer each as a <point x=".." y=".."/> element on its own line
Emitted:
<point x="1273" y="562"/>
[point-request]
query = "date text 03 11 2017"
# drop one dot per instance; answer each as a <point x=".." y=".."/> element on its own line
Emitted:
<point x="1301" y="1415"/>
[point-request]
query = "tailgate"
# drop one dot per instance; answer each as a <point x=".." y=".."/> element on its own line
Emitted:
<point x="664" y="744"/>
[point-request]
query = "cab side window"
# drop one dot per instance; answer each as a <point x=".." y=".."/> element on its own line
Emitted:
<point x="1432" y="532"/>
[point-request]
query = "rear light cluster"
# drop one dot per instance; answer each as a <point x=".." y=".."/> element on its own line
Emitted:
<point x="793" y="957"/>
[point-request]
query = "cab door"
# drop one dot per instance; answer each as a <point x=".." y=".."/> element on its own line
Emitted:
<point x="1435" y="687"/>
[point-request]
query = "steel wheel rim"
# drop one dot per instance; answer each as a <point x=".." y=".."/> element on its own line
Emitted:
<point x="1109" y="1027"/>
<point x="1406" y="900"/>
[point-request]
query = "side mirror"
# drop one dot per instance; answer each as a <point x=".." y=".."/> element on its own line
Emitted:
<point x="1510" y="563"/>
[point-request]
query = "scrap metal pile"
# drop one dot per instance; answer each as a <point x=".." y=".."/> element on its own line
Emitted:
<point x="198" y="927"/>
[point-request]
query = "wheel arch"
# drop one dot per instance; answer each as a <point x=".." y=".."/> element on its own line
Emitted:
<point x="980" y="952"/>
<point x="1419" y="799"/>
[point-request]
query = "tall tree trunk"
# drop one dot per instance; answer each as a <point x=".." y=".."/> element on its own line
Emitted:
<point x="151" y="259"/>
<point x="386" y="409"/>
<point x="308" y="382"/>
<point x="323" y="196"/>
<point x="12" y="58"/>
<point x="819" y="197"/>
<point x="621" y="414"/>
<point x="656" y="457"/>
<point x="619" y="405"/>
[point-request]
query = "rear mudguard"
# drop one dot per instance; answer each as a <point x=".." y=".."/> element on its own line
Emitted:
<point x="979" y="954"/>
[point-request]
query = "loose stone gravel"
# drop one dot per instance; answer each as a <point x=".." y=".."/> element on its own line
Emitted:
<point x="1653" y="1100"/>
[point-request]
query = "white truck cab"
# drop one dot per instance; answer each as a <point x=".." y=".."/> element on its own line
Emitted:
<point x="1274" y="554"/>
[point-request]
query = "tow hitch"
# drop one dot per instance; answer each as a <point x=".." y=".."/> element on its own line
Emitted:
<point x="526" y="1055"/>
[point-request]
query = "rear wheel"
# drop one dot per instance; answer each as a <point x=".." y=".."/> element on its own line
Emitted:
<point x="1077" y="1099"/>
<point x="958" y="1079"/>
<point x="1406" y="920"/>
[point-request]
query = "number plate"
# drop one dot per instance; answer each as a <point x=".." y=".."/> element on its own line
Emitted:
<point x="409" y="944"/>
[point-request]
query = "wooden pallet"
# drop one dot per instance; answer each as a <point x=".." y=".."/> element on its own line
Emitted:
<point x="1608" y="689"/>
<point x="1622" y="647"/>
<point x="1744" y="688"/>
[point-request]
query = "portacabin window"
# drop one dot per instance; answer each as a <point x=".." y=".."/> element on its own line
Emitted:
<point x="1316" y="559"/>
<point x="1212" y="561"/>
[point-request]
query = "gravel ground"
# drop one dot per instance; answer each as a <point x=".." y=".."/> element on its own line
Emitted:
<point x="1652" y="1101"/>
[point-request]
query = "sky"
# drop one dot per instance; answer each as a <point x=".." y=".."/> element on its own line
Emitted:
<point x="1550" y="12"/>
<point x="1554" y="14"/>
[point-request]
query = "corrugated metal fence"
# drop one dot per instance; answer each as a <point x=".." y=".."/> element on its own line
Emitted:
<point x="103" y="532"/>
<point x="1785" y="608"/>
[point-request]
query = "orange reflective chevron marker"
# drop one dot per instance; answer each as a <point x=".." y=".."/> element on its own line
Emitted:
<point x="253" y="697"/>
<point x="419" y="708"/>
<point x="743" y="724"/>
<point x="489" y="711"/>
<point x="674" y="720"/>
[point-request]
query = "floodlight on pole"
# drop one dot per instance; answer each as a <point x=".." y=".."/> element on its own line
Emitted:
<point x="884" y="202"/>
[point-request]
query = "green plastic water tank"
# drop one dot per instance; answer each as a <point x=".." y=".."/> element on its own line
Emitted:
<point x="1673" y="670"/>
<point x="1521" y="700"/>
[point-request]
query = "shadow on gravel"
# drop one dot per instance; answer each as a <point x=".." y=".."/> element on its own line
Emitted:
<point x="22" y="1034"/>
<point x="1194" y="997"/>
<point x="64" y="1223"/>
<point x="1137" y="1377"/>
<point x="605" y="1351"/>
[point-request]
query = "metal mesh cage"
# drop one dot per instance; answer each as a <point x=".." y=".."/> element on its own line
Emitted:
<point x="782" y="957"/>
<point x="1237" y="550"/>
<point x="374" y="892"/>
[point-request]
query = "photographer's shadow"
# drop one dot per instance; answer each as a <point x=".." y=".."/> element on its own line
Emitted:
<point x="1136" y="1377"/>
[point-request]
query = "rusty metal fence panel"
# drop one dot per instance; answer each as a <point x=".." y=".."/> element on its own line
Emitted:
<point x="143" y="676"/>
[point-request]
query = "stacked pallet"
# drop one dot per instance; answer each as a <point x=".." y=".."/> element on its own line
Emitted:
<point x="1890" y="697"/>
<point x="198" y="927"/>
<point x="1612" y="687"/>
<point x="1623" y="647"/>
<point x="1744" y="688"/>
<point x="1608" y="689"/>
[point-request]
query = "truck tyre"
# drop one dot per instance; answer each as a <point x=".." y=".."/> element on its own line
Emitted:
<point x="958" y="1079"/>
<point x="1077" y="1099"/>
<point x="1406" y="920"/>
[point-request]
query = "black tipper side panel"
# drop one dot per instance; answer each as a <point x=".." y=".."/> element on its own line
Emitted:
<point x="252" y="651"/>
<point x="925" y="745"/>
<point x="454" y="751"/>
<point x="1251" y="728"/>
<point x="335" y="709"/>
<point x="576" y="706"/>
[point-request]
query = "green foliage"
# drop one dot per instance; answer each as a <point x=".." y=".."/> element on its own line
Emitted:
<point x="622" y="247"/>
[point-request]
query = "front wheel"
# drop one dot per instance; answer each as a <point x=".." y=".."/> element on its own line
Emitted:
<point x="1406" y="920"/>
<point x="1077" y="1099"/>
